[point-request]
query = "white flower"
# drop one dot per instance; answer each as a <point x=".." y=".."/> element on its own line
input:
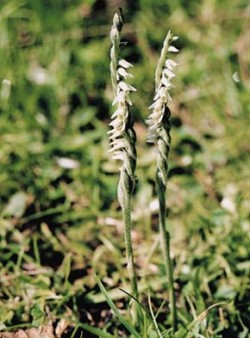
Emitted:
<point x="125" y="64"/>
<point x="170" y="64"/>
<point x="167" y="84"/>
<point x="174" y="38"/>
<point x="164" y="75"/>
<point x="126" y="87"/>
<point x="120" y="116"/>
<point x="122" y="71"/>
<point x="173" y="49"/>
<point x="118" y="112"/>
<point x="168" y="73"/>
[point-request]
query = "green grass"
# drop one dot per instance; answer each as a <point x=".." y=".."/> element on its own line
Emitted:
<point x="59" y="225"/>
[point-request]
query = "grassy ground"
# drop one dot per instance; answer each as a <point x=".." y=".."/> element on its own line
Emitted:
<point x="60" y="222"/>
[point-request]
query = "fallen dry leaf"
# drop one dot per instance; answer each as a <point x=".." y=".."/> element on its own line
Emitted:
<point x="45" y="331"/>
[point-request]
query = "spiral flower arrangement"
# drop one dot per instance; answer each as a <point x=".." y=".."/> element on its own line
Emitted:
<point x="123" y="139"/>
<point x="159" y="133"/>
<point x="159" y="118"/>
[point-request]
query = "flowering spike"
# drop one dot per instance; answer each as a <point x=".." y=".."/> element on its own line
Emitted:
<point x="163" y="76"/>
<point x="122" y="139"/>
<point x="159" y="133"/>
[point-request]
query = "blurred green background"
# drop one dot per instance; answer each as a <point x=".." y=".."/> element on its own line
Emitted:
<point x="59" y="212"/>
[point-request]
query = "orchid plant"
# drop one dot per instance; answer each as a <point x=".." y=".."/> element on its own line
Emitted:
<point x="123" y="145"/>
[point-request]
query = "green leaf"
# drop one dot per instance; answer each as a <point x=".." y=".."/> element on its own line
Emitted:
<point x="128" y="326"/>
<point x="65" y="267"/>
<point x="2" y="327"/>
<point x="37" y="314"/>
<point x="225" y="292"/>
<point x="159" y="335"/>
<point x="181" y="333"/>
<point x="244" y="333"/>
<point x="5" y="315"/>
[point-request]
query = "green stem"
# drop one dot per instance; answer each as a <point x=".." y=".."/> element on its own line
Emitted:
<point x="125" y="189"/>
<point x="129" y="248"/>
<point x="160" y="127"/>
<point x="165" y="244"/>
<point x="123" y="139"/>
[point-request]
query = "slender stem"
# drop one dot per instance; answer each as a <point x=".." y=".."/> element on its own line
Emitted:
<point x="163" y="142"/>
<point x="129" y="248"/>
<point x="165" y="244"/>
<point x="125" y="189"/>
<point x="159" y="132"/>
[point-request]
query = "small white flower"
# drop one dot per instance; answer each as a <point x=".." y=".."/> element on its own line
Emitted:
<point x="117" y="124"/>
<point x="118" y="156"/>
<point x="118" y="112"/>
<point x="122" y="71"/>
<point x="152" y="106"/>
<point x="164" y="94"/>
<point x="116" y="133"/>
<point x="174" y="38"/>
<point x="156" y="117"/>
<point x="170" y="64"/>
<point x="128" y="99"/>
<point x="156" y="105"/>
<point x="173" y="49"/>
<point x="120" y="97"/>
<point x="118" y="144"/>
<point x="166" y="83"/>
<point x="126" y="87"/>
<point x="168" y="73"/>
<point x="125" y="64"/>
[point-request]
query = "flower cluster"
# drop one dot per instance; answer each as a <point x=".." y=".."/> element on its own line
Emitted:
<point x="122" y="142"/>
<point x="122" y="134"/>
<point x="159" y="133"/>
<point x="163" y="77"/>
<point x="121" y="117"/>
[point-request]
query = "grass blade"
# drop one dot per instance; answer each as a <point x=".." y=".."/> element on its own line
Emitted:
<point x="128" y="326"/>
<point x="96" y="331"/>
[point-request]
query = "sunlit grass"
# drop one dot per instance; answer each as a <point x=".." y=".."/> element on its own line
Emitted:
<point x="60" y="222"/>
